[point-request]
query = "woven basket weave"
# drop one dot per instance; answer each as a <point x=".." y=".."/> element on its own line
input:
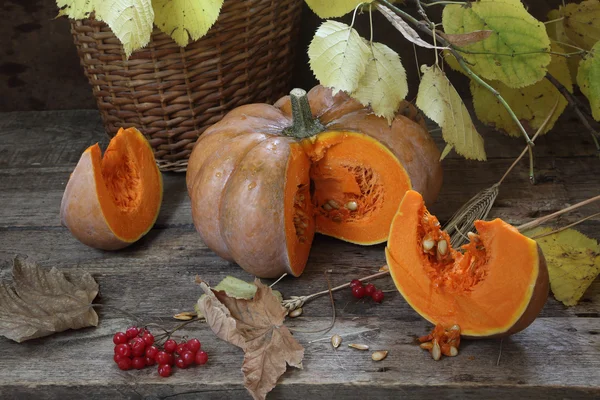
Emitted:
<point x="173" y="94"/>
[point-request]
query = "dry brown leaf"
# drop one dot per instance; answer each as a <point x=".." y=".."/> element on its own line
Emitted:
<point x="464" y="39"/>
<point x="41" y="302"/>
<point x="268" y="344"/>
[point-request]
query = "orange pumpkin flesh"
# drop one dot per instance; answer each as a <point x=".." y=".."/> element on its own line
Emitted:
<point x="112" y="201"/>
<point x="259" y="191"/>
<point x="496" y="287"/>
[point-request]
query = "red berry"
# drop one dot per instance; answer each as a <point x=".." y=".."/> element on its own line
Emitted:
<point x="180" y="363"/>
<point x="354" y="283"/>
<point x="149" y="361"/>
<point x="358" y="292"/>
<point x="148" y="338"/>
<point x="193" y="345"/>
<point x="181" y="347"/>
<point x="138" y="362"/>
<point x="162" y="357"/>
<point x="201" y="357"/>
<point x="151" y="351"/>
<point x="378" y="296"/>
<point x="123" y="349"/>
<point x="188" y="357"/>
<point x="165" y="370"/>
<point x="170" y="346"/>
<point x="118" y="357"/>
<point x="370" y="289"/>
<point x="124" y="363"/>
<point x="132" y="332"/>
<point x="120" y="337"/>
<point x="138" y="347"/>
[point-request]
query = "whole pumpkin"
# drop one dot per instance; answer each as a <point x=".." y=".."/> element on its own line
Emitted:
<point x="266" y="177"/>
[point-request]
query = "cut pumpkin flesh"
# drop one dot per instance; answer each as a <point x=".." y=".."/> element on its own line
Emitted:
<point x="112" y="201"/>
<point x="341" y="184"/>
<point x="494" y="287"/>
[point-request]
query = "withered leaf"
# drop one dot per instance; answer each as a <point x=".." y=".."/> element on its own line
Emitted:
<point x="268" y="345"/>
<point x="464" y="39"/>
<point x="42" y="302"/>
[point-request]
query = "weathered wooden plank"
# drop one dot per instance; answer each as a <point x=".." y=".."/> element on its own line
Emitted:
<point x="167" y="261"/>
<point x="534" y="361"/>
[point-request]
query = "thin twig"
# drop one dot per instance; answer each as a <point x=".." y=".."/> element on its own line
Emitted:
<point x="327" y="329"/>
<point x="499" y="353"/>
<point x="541" y="220"/>
<point x="346" y="334"/>
<point x="565" y="227"/>
<point x="280" y="278"/>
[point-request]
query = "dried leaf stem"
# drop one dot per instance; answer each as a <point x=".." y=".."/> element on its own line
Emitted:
<point x="541" y="220"/>
<point x="565" y="227"/>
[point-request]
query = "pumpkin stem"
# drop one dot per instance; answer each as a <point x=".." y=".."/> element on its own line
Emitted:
<point x="303" y="123"/>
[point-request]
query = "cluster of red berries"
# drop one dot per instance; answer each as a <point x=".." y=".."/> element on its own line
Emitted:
<point x="135" y="348"/>
<point x="359" y="291"/>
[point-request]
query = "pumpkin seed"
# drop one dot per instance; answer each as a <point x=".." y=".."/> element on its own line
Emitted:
<point x="352" y="205"/>
<point x="428" y="243"/>
<point x="426" y="346"/>
<point x="436" y="352"/>
<point x="185" y="316"/>
<point x="442" y="247"/>
<point x="327" y="207"/>
<point x="336" y="218"/>
<point x="359" y="346"/>
<point x="336" y="340"/>
<point x="334" y="204"/>
<point x="296" y="313"/>
<point x="473" y="237"/>
<point x="453" y="351"/>
<point x="379" y="355"/>
<point x="455" y="328"/>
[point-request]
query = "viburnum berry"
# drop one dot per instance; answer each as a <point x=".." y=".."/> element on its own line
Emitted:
<point x="120" y="337"/>
<point x="150" y="361"/>
<point x="194" y="345"/>
<point x="132" y="332"/>
<point x="165" y="370"/>
<point x="358" y="292"/>
<point x="354" y="283"/>
<point x="370" y="289"/>
<point x="151" y="351"/>
<point x="148" y="338"/>
<point x="201" y="357"/>
<point x="188" y="357"/>
<point x="162" y="357"/>
<point x="170" y="346"/>
<point x="138" y="347"/>
<point x="124" y="363"/>
<point x="117" y="358"/>
<point x="180" y="363"/>
<point x="378" y="296"/>
<point x="138" y="362"/>
<point x="181" y="347"/>
<point x="123" y="349"/>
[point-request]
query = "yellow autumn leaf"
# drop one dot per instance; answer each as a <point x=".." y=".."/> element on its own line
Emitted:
<point x="75" y="9"/>
<point x="556" y="32"/>
<point x="582" y="22"/>
<point x="531" y="103"/>
<point x="384" y="84"/>
<point x="440" y="101"/>
<point x="338" y="56"/>
<point x="516" y="53"/>
<point x="185" y="20"/>
<point x="588" y="79"/>
<point x="334" y="8"/>
<point x="129" y="20"/>
<point x="573" y="262"/>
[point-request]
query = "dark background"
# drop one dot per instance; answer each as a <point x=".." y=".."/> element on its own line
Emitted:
<point x="39" y="67"/>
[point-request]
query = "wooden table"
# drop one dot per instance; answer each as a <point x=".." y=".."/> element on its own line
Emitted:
<point x="556" y="357"/>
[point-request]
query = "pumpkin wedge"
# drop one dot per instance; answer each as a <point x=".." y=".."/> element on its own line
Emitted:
<point x="265" y="178"/>
<point x="494" y="287"/>
<point x="112" y="201"/>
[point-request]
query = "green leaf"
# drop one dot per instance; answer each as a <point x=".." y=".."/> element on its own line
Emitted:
<point x="75" y="9"/>
<point x="333" y="8"/>
<point x="531" y="104"/>
<point x="338" y="56"/>
<point x="588" y="79"/>
<point x="384" y="84"/>
<point x="439" y="101"/>
<point x="573" y="262"/>
<point x="582" y="22"/>
<point x="516" y="51"/>
<point x="186" y="20"/>
<point x="129" y="20"/>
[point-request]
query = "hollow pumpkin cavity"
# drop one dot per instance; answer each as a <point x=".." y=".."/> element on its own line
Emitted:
<point x="494" y="286"/>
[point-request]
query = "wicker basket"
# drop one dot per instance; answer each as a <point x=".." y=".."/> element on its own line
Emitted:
<point x="173" y="94"/>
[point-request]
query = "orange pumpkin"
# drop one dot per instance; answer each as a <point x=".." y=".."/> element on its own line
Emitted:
<point x="265" y="178"/>
<point x="495" y="288"/>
